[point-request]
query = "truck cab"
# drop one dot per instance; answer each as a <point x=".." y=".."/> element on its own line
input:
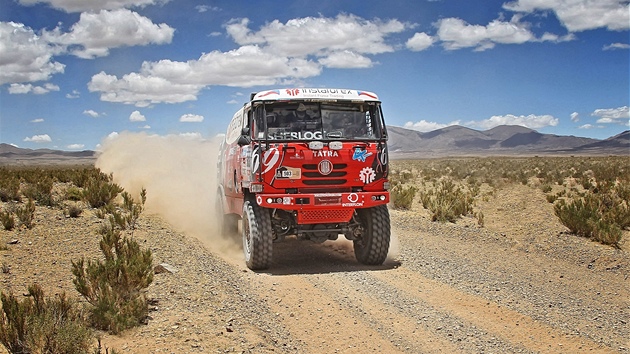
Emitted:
<point x="306" y="163"/>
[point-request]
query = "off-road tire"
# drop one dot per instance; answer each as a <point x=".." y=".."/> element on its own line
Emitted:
<point x="257" y="236"/>
<point x="372" y="247"/>
<point x="228" y="223"/>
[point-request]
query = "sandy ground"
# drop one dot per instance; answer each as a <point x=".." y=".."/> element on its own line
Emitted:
<point x="520" y="284"/>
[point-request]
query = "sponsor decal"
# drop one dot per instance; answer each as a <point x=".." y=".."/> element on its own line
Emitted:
<point x="288" y="172"/>
<point x="360" y="155"/>
<point x="259" y="200"/>
<point x="325" y="153"/>
<point x="367" y="175"/>
<point x="325" y="167"/>
<point x="293" y="92"/>
<point x="353" y="201"/>
<point x="363" y="93"/>
<point x="296" y="135"/>
<point x="272" y="92"/>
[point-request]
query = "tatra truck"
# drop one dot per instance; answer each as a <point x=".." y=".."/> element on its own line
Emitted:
<point x="309" y="163"/>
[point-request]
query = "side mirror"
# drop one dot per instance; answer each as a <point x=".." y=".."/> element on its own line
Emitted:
<point x="244" y="140"/>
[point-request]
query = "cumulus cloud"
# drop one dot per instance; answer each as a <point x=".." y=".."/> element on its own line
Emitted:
<point x="319" y="36"/>
<point x="136" y="116"/>
<point x="424" y="126"/>
<point x="620" y="115"/>
<point x="575" y="117"/>
<point x="206" y="8"/>
<point x="346" y="60"/>
<point x="26" y="57"/>
<point x="191" y="118"/>
<point x="96" y="33"/>
<point x="91" y="113"/>
<point x="38" y="120"/>
<point x="580" y="15"/>
<point x="276" y="53"/>
<point x="29" y="88"/>
<point x="530" y="121"/>
<point x="169" y="81"/>
<point x="419" y="42"/>
<point x="74" y="94"/>
<point x="43" y="138"/>
<point x="75" y="146"/>
<point x="615" y="46"/>
<point x="85" y="5"/>
<point x="456" y="33"/>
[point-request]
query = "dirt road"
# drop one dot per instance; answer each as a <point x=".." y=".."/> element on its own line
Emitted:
<point x="518" y="285"/>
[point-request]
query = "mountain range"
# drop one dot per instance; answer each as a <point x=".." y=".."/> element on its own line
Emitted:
<point x="454" y="140"/>
<point x="501" y="140"/>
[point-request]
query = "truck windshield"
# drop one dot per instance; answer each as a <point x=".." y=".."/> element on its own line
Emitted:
<point x="319" y="121"/>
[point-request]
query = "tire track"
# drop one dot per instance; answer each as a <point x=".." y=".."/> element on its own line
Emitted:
<point x="514" y="327"/>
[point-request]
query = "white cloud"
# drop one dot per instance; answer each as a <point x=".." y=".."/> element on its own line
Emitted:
<point x="29" y="88"/>
<point x="91" y="113"/>
<point x="456" y="33"/>
<point x="277" y="53"/>
<point x="96" y="33"/>
<point x="26" y="57"/>
<point x="615" y="46"/>
<point x="530" y="121"/>
<point x="191" y="118"/>
<point x="146" y="127"/>
<point x="136" y="116"/>
<point x="575" y="117"/>
<point x="319" y="36"/>
<point x="620" y="115"/>
<point x="587" y="126"/>
<point x="580" y="15"/>
<point x="232" y="102"/>
<point x="419" y="42"/>
<point x="75" y="146"/>
<point x="169" y="81"/>
<point x="205" y="8"/>
<point x="73" y="95"/>
<point x="346" y="60"/>
<point x="191" y="136"/>
<point x="90" y="5"/>
<point x="424" y="126"/>
<point x="44" y="138"/>
<point x="38" y="120"/>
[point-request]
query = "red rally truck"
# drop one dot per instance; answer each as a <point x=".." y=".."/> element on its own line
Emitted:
<point x="310" y="163"/>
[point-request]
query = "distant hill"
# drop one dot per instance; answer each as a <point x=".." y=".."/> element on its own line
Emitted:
<point x="502" y="140"/>
<point x="450" y="141"/>
<point x="10" y="154"/>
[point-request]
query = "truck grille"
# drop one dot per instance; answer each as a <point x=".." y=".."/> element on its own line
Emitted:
<point x="324" y="216"/>
<point x="312" y="177"/>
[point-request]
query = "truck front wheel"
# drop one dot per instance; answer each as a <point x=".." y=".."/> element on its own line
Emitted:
<point x="372" y="246"/>
<point x="257" y="236"/>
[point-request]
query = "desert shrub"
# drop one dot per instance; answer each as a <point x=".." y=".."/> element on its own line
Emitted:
<point x="41" y="191"/>
<point x="7" y="219"/>
<point x="115" y="287"/>
<point x="551" y="198"/>
<point x="26" y="214"/>
<point x="594" y="216"/>
<point x="546" y="188"/>
<point x="100" y="191"/>
<point x="43" y="325"/>
<point x="9" y="188"/>
<point x="447" y="201"/>
<point x="74" y="211"/>
<point x="402" y="196"/>
<point x="73" y="193"/>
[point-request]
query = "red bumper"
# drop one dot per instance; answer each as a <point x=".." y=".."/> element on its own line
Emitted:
<point x="320" y="208"/>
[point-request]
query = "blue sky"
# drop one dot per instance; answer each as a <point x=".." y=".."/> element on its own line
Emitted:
<point x="75" y="72"/>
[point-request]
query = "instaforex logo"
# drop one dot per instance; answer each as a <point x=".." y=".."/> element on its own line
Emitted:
<point x="293" y="92"/>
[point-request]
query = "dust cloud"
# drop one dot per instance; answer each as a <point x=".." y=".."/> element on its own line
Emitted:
<point x="180" y="176"/>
